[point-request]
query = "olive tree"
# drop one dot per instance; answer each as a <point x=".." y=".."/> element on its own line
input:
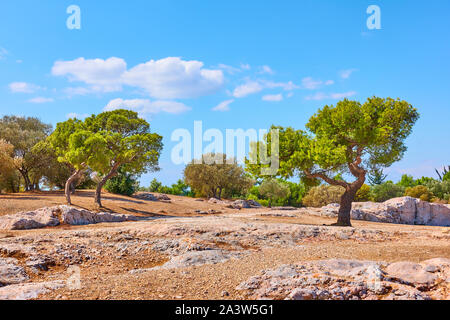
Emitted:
<point x="24" y="133"/>
<point x="216" y="174"/>
<point x="273" y="190"/>
<point x="346" y="139"/>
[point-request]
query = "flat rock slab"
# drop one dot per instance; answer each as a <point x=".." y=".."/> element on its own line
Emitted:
<point x="404" y="210"/>
<point x="27" y="291"/>
<point x="11" y="272"/>
<point x="340" y="279"/>
<point x="54" y="216"/>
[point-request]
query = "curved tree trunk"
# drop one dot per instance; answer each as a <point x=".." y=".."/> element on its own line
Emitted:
<point x="69" y="182"/>
<point x="345" y="208"/>
<point x="98" y="191"/>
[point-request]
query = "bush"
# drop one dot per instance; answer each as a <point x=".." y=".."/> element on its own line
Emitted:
<point x="386" y="191"/>
<point x="124" y="183"/>
<point x="263" y="202"/>
<point x="323" y="195"/>
<point x="274" y="190"/>
<point x="419" y="192"/>
<point x="439" y="189"/>
<point x="363" y="194"/>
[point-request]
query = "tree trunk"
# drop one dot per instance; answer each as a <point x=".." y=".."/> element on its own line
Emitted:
<point x="26" y="179"/>
<point x="67" y="189"/>
<point x="98" y="191"/>
<point x="345" y="209"/>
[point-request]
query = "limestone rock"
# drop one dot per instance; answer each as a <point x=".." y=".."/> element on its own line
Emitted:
<point x="39" y="218"/>
<point x="404" y="210"/>
<point x="53" y="216"/>
<point x="340" y="279"/>
<point x="27" y="291"/>
<point x="10" y="272"/>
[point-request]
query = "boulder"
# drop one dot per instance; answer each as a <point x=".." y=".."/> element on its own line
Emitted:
<point x="404" y="210"/>
<point x="73" y="216"/>
<point x="40" y="218"/>
<point x="53" y="216"/>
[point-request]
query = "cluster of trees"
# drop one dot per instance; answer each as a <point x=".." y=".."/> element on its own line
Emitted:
<point x="111" y="144"/>
<point x="341" y="147"/>
<point x="26" y="161"/>
<point x="179" y="189"/>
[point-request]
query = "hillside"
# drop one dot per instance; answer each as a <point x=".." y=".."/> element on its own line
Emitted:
<point x="178" y="254"/>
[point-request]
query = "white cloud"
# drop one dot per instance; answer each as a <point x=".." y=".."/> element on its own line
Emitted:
<point x="333" y="96"/>
<point x="273" y="97"/>
<point x="288" y="86"/>
<point x="223" y="106"/>
<point x="345" y="74"/>
<point x="229" y="69"/>
<point x="311" y="84"/>
<point x="251" y="87"/>
<point x="73" y="115"/>
<point x="245" y="66"/>
<point x="317" y="96"/>
<point x="343" y="95"/>
<point x="41" y="100"/>
<point x="23" y="87"/>
<point x="3" y="53"/>
<point x="247" y="88"/>
<point x="266" y="69"/>
<point x="101" y="75"/>
<point x="173" y="78"/>
<point x="145" y="106"/>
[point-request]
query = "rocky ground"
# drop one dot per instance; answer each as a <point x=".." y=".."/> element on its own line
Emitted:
<point x="223" y="253"/>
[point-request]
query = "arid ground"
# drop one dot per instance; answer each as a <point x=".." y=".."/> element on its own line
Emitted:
<point x="177" y="253"/>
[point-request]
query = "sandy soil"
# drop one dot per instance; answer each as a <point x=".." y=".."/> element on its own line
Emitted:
<point x="84" y="199"/>
<point x="261" y="242"/>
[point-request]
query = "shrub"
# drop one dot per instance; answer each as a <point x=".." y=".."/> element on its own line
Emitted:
<point x="439" y="189"/>
<point x="123" y="183"/>
<point x="363" y="194"/>
<point x="263" y="202"/>
<point x="407" y="181"/>
<point x="323" y="195"/>
<point x="420" y="192"/>
<point x="386" y="191"/>
<point x="274" y="190"/>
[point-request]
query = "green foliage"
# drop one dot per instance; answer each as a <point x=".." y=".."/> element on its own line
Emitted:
<point x="24" y="133"/>
<point x="345" y="139"/>
<point x="407" y="181"/>
<point x="274" y="190"/>
<point x="155" y="186"/>
<point x="440" y="189"/>
<point x="178" y="189"/>
<point x="216" y="176"/>
<point x="125" y="141"/>
<point x="386" y="191"/>
<point x="445" y="174"/>
<point x="323" y="195"/>
<point x="8" y="176"/>
<point x="420" y="192"/>
<point x="363" y="193"/>
<point x="376" y="176"/>
<point x="123" y="183"/>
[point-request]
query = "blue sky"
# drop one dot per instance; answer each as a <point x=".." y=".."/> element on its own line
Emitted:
<point x="232" y="64"/>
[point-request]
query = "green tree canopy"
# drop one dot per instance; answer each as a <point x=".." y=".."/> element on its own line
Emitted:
<point x="347" y="138"/>
<point x="24" y="133"/>
<point x="127" y="143"/>
<point x="213" y="178"/>
<point x="273" y="190"/>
